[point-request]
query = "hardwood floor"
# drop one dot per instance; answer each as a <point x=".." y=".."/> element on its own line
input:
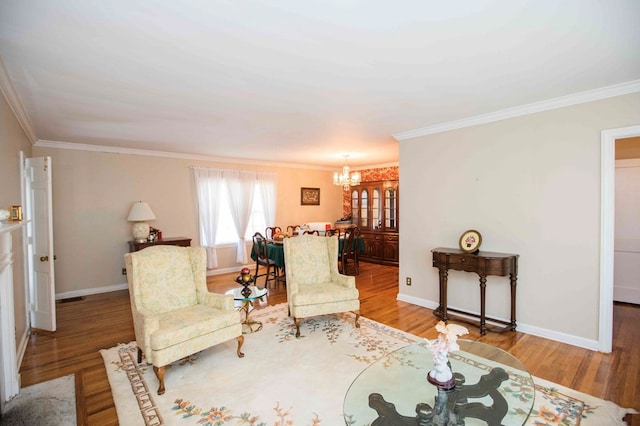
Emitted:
<point x="101" y="321"/>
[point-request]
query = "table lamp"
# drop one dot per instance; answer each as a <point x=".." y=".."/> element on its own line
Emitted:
<point x="140" y="212"/>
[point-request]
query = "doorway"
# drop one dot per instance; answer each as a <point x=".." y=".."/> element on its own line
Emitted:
<point x="607" y="230"/>
<point x="626" y="287"/>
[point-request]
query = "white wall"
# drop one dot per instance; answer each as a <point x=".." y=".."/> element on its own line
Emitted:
<point x="531" y="186"/>
<point x="12" y="141"/>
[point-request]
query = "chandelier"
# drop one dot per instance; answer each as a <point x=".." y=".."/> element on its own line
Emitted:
<point x="346" y="179"/>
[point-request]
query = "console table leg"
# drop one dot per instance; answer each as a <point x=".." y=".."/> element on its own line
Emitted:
<point x="513" y="278"/>
<point x="483" y="294"/>
<point x="443" y="294"/>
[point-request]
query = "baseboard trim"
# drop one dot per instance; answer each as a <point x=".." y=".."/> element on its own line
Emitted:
<point x="626" y="294"/>
<point x="22" y="347"/>
<point x="569" y="339"/>
<point x="90" y="291"/>
<point x="125" y="286"/>
<point x="212" y="272"/>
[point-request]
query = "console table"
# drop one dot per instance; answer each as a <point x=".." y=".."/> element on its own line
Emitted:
<point x="483" y="264"/>
<point x="177" y="241"/>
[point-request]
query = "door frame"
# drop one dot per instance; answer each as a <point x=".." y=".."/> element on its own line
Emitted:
<point x="607" y="229"/>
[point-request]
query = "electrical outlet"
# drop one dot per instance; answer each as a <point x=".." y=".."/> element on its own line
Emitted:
<point x="408" y="280"/>
<point x="124" y="271"/>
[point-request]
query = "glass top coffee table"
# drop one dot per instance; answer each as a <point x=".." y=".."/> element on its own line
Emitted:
<point x="492" y="387"/>
<point x="246" y="306"/>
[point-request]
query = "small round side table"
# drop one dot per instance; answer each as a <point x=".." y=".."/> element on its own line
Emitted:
<point x="246" y="306"/>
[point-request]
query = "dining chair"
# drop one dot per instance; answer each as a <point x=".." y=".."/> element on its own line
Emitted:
<point x="309" y="232"/>
<point x="350" y="251"/>
<point x="332" y="232"/>
<point x="261" y="250"/>
<point x="270" y="231"/>
<point x="314" y="284"/>
<point x="292" y="229"/>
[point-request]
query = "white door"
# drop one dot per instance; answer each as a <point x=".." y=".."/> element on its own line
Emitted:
<point x="40" y="212"/>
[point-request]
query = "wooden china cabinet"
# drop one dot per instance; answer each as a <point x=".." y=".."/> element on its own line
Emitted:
<point x="374" y="208"/>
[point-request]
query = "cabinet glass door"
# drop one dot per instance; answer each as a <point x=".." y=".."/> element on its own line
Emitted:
<point x="390" y="208"/>
<point x="376" y="209"/>
<point x="355" y="206"/>
<point x="364" y="207"/>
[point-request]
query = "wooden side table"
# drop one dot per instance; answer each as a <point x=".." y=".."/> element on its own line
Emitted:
<point x="483" y="264"/>
<point x="176" y="241"/>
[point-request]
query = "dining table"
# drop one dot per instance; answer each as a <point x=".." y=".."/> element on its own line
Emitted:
<point x="275" y="250"/>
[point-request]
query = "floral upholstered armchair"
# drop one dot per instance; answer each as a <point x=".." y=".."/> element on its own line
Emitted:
<point x="174" y="314"/>
<point x="314" y="285"/>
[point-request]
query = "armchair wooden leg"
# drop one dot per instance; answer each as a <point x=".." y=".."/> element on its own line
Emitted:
<point x="240" y="343"/>
<point x="139" y="355"/>
<point x="160" y="375"/>
<point x="357" y="317"/>
<point x="297" y="323"/>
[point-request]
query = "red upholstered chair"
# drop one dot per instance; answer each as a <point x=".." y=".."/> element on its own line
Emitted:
<point x="332" y="232"/>
<point x="270" y="231"/>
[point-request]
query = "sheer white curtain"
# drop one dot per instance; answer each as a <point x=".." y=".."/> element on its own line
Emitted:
<point x="241" y="186"/>
<point x="268" y="193"/>
<point x="235" y="190"/>
<point x="208" y="187"/>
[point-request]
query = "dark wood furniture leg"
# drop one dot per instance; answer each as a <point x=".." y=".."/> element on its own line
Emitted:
<point x="483" y="311"/>
<point x="513" y="278"/>
<point x="443" y="294"/>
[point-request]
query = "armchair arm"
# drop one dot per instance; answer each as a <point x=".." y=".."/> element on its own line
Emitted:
<point x="149" y="320"/>
<point x="343" y="280"/>
<point x="145" y="324"/>
<point x="216" y="300"/>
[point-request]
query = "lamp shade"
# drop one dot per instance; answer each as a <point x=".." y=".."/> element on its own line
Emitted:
<point x="140" y="211"/>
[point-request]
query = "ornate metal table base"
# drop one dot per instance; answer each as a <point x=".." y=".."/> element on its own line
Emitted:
<point x="246" y="307"/>
<point x="451" y="406"/>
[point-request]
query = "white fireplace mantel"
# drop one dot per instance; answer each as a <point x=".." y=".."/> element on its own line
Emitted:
<point x="9" y="383"/>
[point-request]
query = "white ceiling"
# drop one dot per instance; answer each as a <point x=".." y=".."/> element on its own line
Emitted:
<point x="300" y="81"/>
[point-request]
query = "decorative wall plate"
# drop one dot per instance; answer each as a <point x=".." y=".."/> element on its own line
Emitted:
<point x="470" y="241"/>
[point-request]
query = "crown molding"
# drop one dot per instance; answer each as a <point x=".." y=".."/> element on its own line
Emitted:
<point x="14" y="103"/>
<point x="547" y="105"/>
<point x="41" y="143"/>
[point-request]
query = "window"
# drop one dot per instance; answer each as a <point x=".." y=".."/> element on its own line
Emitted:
<point x="229" y="200"/>
<point x="226" y="229"/>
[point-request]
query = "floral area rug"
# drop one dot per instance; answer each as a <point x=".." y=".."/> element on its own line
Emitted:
<point x="287" y="381"/>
